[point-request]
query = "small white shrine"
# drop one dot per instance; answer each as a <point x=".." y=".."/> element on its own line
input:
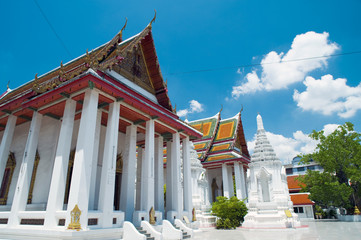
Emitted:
<point x="269" y="204"/>
<point x="200" y="196"/>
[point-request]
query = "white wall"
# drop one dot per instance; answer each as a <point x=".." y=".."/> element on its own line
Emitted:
<point x="17" y="147"/>
<point x="48" y="139"/>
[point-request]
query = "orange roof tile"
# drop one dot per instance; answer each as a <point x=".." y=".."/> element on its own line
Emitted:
<point x="301" y="199"/>
<point x="293" y="183"/>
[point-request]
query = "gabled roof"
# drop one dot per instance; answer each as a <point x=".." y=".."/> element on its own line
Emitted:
<point x="208" y="127"/>
<point x="113" y="55"/>
<point x="223" y="140"/>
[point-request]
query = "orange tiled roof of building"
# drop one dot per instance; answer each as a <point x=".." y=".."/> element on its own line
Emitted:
<point x="301" y="199"/>
<point x="293" y="183"/>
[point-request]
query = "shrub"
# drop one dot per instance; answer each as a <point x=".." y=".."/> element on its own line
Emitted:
<point x="229" y="211"/>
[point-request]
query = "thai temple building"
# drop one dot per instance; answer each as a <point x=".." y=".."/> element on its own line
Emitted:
<point x="81" y="152"/>
<point x="223" y="153"/>
<point x="269" y="204"/>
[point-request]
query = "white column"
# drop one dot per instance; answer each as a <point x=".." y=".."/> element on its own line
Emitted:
<point x="169" y="178"/>
<point x="58" y="180"/>
<point x="230" y="181"/>
<point x="107" y="182"/>
<point x="26" y="168"/>
<point x="128" y="175"/>
<point x="176" y="187"/>
<point x="6" y="142"/>
<point x="159" y="178"/>
<point x="240" y="183"/>
<point x="80" y="181"/>
<point x="147" y="185"/>
<point x="92" y="196"/>
<point x="138" y="192"/>
<point x="225" y="180"/>
<point x="187" y="177"/>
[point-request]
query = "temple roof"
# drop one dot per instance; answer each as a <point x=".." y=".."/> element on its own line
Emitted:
<point x="126" y="71"/>
<point x="115" y="56"/>
<point x="222" y="141"/>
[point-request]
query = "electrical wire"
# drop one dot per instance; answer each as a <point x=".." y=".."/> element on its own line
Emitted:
<point x="52" y="28"/>
<point x="260" y="64"/>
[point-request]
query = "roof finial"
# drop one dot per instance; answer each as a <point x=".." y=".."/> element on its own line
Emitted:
<point x="221" y="108"/>
<point x="241" y="108"/>
<point x="7" y="86"/>
<point x="153" y="20"/>
<point x="121" y="30"/>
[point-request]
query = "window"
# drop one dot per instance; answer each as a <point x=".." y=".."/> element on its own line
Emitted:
<point x="6" y="181"/>
<point x="311" y="167"/>
<point x="298" y="209"/>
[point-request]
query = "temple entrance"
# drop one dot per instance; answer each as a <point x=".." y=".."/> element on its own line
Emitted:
<point x="118" y="182"/>
<point x="69" y="175"/>
<point x="214" y="190"/>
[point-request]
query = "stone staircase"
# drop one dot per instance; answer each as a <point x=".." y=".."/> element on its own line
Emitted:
<point x="144" y="232"/>
<point x="205" y="217"/>
<point x="185" y="234"/>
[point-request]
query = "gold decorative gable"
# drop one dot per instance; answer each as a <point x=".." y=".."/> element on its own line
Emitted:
<point x="33" y="177"/>
<point x="134" y="68"/>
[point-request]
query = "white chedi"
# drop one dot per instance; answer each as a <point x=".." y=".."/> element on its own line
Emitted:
<point x="269" y="202"/>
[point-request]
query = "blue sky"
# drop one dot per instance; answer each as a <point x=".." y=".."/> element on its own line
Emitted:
<point x="217" y="36"/>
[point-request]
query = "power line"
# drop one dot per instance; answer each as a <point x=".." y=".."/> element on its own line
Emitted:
<point x="52" y="28"/>
<point x="260" y="64"/>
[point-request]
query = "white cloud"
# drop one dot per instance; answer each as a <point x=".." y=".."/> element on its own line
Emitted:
<point x="328" y="96"/>
<point x="194" y="107"/>
<point x="288" y="148"/>
<point x="279" y="70"/>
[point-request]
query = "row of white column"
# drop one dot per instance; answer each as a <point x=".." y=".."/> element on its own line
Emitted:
<point x="240" y="181"/>
<point x="82" y="190"/>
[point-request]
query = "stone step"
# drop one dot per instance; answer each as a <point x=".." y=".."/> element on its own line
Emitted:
<point x="144" y="232"/>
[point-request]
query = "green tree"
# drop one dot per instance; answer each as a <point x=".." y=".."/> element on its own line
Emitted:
<point x="339" y="154"/>
<point x="229" y="211"/>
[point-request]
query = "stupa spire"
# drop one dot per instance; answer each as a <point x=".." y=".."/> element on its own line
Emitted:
<point x="263" y="150"/>
<point x="259" y="122"/>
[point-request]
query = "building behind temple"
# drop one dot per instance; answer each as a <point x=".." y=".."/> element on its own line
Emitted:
<point x="302" y="205"/>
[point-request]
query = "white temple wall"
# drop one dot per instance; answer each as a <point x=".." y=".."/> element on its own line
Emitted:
<point x="17" y="147"/>
<point x="48" y="139"/>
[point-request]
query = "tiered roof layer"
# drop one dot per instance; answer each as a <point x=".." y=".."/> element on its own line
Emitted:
<point x="223" y="140"/>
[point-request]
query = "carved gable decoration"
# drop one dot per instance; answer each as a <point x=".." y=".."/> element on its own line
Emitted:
<point x="133" y="67"/>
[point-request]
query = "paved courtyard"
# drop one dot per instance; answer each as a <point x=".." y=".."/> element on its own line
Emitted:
<point x="330" y="230"/>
